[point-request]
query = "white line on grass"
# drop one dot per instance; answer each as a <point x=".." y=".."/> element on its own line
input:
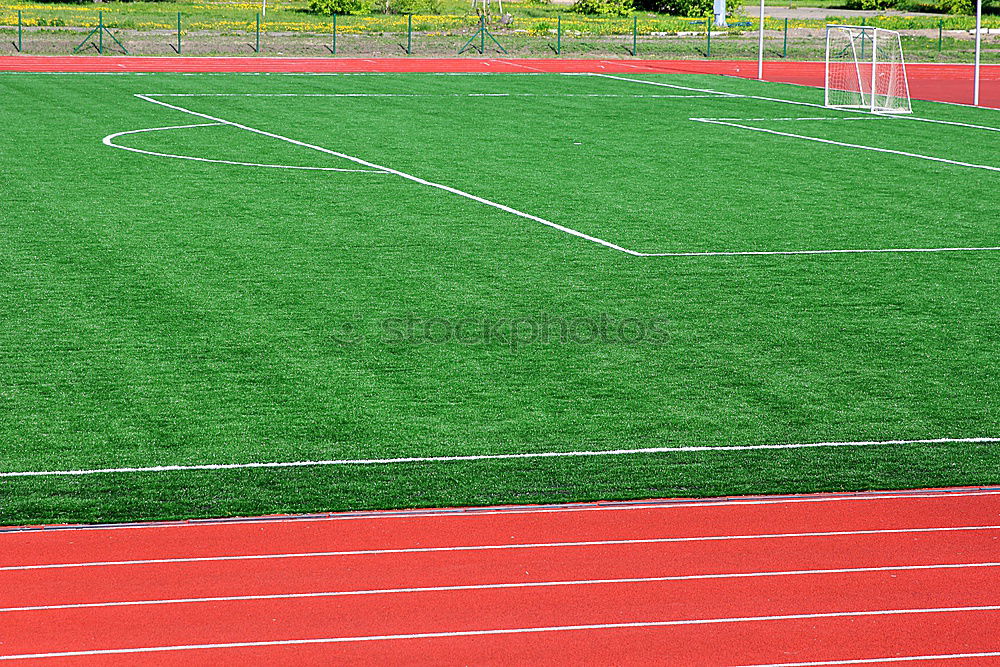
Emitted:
<point x="499" y="547"/>
<point x="109" y="141"/>
<point x="848" y="145"/>
<point x="438" y="95"/>
<point x="401" y="174"/>
<point x="496" y="586"/>
<point x="482" y="457"/>
<point x="494" y="457"/>
<point x="512" y="631"/>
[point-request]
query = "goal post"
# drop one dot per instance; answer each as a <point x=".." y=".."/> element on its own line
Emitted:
<point x="865" y="70"/>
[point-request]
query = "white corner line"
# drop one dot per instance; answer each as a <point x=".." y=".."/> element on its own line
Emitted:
<point x="493" y="457"/>
<point x="498" y="586"/>
<point x="511" y="631"/>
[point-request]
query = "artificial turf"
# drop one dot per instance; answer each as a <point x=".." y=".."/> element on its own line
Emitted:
<point x="161" y="311"/>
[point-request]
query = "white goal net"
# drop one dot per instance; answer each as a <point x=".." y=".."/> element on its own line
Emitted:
<point x="865" y="70"/>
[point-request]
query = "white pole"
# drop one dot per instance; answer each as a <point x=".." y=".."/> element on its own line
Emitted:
<point x="263" y="7"/>
<point x="979" y="32"/>
<point x="760" y="44"/>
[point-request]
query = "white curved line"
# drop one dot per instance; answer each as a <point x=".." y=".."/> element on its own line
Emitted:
<point x="108" y="141"/>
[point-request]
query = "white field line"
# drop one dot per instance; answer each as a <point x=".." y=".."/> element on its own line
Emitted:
<point x="501" y="547"/>
<point x="848" y="145"/>
<point x="109" y="141"/>
<point x="512" y="631"/>
<point x="474" y="512"/>
<point x="493" y="457"/>
<point x="858" y="112"/>
<point x="496" y="586"/>
<point x="870" y="661"/>
<point x="437" y="95"/>
<point x="401" y="174"/>
<point x="849" y="251"/>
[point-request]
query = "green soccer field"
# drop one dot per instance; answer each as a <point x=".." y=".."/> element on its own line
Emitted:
<point x="358" y="269"/>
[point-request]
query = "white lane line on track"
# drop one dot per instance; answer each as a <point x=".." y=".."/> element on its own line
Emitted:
<point x="498" y="547"/>
<point x="472" y="512"/>
<point x="495" y="457"/>
<point x="511" y="631"/>
<point x="869" y="661"/>
<point x="496" y="586"/>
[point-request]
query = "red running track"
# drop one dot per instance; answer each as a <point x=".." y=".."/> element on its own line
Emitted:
<point x="940" y="82"/>
<point x="868" y="577"/>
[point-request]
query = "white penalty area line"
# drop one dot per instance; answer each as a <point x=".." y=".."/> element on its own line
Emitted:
<point x="496" y="586"/>
<point x="501" y="547"/>
<point x="495" y="457"/>
<point x="845" y="144"/>
<point x="401" y="174"/>
<point x="109" y="141"/>
<point x="512" y="631"/>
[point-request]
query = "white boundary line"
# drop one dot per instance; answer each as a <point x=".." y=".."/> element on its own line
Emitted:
<point x="496" y="586"/>
<point x="498" y="547"/>
<point x="870" y="661"/>
<point x="109" y="141"/>
<point x="577" y="233"/>
<point x="409" y="95"/>
<point x="401" y="174"/>
<point x="512" y="631"/>
<point x="495" y="457"/>
<point x="848" y="145"/>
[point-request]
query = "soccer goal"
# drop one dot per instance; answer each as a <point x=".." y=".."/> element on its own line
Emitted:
<point x="865" y="70"/>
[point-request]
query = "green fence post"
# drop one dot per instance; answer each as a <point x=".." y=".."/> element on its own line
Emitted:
<point x="334" y="49"/>
<point x="257" y="49"/>
<point x="409" y="33"/>
<point x="100" y="32"/>
<point x="482" y="33"/>
<point x="708" y="41"/>
<point x="178" y="33"/>
<point x="558" y="34"/>
<point x="19" y="42"/>
<point x="784" y="47"/>
<point x="940" y="33"/>
<point x="635" y="45"/>
<point x="864" y="20"/>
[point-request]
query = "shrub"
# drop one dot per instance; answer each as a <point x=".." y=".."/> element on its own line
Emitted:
<point x="603" y="7"/>
<point x="687" y="7"/>
<point x="870" y="5"/>
<point x="340" y="7"/>
<point x="957" y="6"/>
<point x="408" y="6"/>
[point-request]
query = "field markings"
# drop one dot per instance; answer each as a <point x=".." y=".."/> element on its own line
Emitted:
<point x="432" y="95"/>
<point x="401" y="174"/>
<point x="515" y="631"/>
<point x="109" y="141"/>
<point x="847" y="144"/>
<point x="569" y="230"/>
<point x="493" y="457"/>
<point x="500" y="547"/>
<point x="497" y="586"/>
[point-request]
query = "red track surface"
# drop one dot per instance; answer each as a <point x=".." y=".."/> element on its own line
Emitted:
<point x="734" y="581"/>
<point x="944" y="83"/>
